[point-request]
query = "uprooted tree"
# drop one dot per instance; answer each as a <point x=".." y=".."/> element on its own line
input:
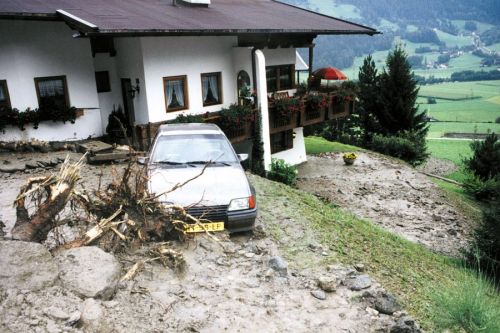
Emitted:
<point x="117" y="214"/>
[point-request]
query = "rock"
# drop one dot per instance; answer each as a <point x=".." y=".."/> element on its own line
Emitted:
<point x="74" y="318"/>
<point x="252" y="248"/>
<point x="53" y="162"/>
<point x="207" y="245"/>
<point x="31" y="165"/>
<point x="405" y="325"/>
<point x="2" y="232"/>
<point x="319" y="294"/>
<point x="89" y="271"/>
<point x="56" y="313"/>
<point x="52" y="327"/>
<point x="328" y="284"/>
<point x="359" y="267"/>
<point x="358" y="282"/>
<point x="222" y="262"/>
<point x="26" y="266"/>
<point x="91" y="313"/>
<point x="387" y="304"/>
<point x="315" y="247"/>
<point x="58" y="145"/>
<point x="11" y="168"/>
<point x="372" y="312"/>
<point x="278" y="264"/>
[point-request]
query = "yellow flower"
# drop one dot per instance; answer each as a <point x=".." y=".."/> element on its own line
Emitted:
<point x="350" y="156"/>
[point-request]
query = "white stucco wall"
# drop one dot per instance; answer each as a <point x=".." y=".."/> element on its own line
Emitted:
<point x="130" y="65"/>
<point x="30" y="49"/>
<point x="113" y="98"/>
<point x="242" y="60"/>
<point x="191" y="56"/>
<point x="297" y="154"/>
<point x="84" y="126"/>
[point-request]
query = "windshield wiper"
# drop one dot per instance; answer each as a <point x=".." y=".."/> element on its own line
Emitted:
<point x="208" y="162"/>
<point x="199" y="162"/>
<point x="169" y="162"/>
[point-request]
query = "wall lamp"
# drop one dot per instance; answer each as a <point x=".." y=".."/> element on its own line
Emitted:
<point x="135" y="89"/>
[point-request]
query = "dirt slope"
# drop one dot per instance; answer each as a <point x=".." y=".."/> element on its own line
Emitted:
<point x="390" y="194"/>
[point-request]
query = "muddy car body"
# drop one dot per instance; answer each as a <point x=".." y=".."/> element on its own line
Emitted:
<point x="219" y="190"/>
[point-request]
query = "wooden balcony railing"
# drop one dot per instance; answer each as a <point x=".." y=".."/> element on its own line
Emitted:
<point x="280" y="123"/>
<point x="311" y="116"/>
<point x="340" y="108"/>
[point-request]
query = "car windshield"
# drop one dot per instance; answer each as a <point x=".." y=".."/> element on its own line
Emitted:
<point x="193" y="149"/>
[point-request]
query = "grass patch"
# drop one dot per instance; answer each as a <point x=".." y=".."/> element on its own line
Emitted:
<point x="317" y="145"/>
<point x="453" y="150"/>
<point x="484" y="109"/>
<point x="437" y="129"/>
<point x="468" y="305"/>
<point x="406" y="269"/>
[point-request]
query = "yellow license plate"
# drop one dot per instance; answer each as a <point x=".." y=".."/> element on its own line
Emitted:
<point x="202" y="227"/>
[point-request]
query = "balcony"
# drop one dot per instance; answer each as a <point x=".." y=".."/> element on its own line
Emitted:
<point x="279" y="122"/>
<point x="339" y="107"/>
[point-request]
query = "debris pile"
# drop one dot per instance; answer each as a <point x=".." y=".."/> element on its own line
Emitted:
<point x="116" y="216"/>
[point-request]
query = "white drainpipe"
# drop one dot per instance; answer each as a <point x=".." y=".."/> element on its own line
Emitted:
<point x="260" y="62"/>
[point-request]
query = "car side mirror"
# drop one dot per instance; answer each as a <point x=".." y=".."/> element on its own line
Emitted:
<point x="243" y="157"/>
<point x="142" y="160"/>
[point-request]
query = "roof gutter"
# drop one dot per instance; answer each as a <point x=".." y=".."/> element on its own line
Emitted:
<point x="221" y="32"/>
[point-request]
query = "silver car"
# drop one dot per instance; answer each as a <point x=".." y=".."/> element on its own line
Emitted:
<point x="221" y="196"/>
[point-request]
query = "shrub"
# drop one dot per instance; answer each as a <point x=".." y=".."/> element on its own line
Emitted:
<point x="487" y="241"/>
<point x="282" y="172"/>
<point x="497" y="120"/>
<point x="188" y="118"/>
<point x="484" y="190"/>
<point x="116" y="120"/>
<point x="485" y="162"/>
<point x="407" y="146"/>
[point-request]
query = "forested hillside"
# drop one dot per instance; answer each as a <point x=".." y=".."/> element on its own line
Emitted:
<point x="430" y="29"/>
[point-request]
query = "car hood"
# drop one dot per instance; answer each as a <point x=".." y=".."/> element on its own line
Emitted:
<point x="218" y="185"/>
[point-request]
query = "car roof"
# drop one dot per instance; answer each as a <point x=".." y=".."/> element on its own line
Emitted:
<point x="205" y="128"/>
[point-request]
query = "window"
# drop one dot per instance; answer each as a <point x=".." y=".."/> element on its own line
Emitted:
<point x="280" y="77"/>
<point x="102" y="81"/>
<point x="175" y="88"/>
<point x="281" y="141"/>
<point x="4" y="95"/>
<point x="211" y="88"/>
<point x="52" y="92"/>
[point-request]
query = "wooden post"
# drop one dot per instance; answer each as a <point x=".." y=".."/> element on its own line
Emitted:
<point x="148" y="133"/>
<point x="311" y="60"/>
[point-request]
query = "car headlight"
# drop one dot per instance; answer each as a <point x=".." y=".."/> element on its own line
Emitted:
<point x="242" y="203"/>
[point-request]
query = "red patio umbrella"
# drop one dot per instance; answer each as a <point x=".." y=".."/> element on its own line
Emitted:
<point x="329" y="73"/>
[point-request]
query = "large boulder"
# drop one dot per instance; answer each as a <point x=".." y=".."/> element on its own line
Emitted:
<point x="26" y="266"/>
<point x="89" y="271"/>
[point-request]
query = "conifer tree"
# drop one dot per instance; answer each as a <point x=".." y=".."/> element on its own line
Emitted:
<point x="398" y="94"/>
<point x="368" y="104"/>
